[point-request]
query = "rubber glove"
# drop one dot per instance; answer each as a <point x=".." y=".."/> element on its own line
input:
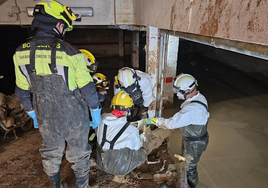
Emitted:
<point x="91" y="124"/>
<point x="34" y="117"/>
<point x="96" y="117"/>
<point x="140" y="124"/>
<point x="152" y="121"/>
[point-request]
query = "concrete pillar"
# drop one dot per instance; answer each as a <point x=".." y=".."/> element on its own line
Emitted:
<point x="135" y="49"/>
<point x="170" y="69"/>
<point x="169" y="46"/>
<point x="152" y="61"/>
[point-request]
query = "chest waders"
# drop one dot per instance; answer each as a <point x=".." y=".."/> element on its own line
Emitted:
<point x="118" y="161"/>
<point x="195" y="141"/>
<point x="62" y="118"/>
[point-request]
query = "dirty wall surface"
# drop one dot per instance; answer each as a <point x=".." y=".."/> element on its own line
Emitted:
<point x="240" y="20"/>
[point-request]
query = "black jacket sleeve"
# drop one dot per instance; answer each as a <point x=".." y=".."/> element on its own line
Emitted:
<point x="25" y="98"/>
<point x="90" y="95"/>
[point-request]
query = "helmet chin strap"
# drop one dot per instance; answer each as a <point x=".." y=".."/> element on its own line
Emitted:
<point x="60" y="30"/>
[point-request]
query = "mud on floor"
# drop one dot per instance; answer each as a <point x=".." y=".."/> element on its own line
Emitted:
<point x="21" y="166"/>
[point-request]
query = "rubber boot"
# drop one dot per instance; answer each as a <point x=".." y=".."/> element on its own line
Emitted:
<point x="192" y="182"/>
<point x="55" y="180"/>
<point x="82" y="182"/>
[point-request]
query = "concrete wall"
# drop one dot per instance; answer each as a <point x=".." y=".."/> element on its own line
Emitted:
<point x="106" y="12"/>
<point x="101" y="42"/>
<point x="243" y="20"/>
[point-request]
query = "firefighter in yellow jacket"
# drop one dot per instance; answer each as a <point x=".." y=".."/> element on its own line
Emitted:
<point x="54" y="71"/>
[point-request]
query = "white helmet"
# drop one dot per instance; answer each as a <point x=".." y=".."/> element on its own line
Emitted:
<point x="127" y="76"/>
<point x="182" y="83"/>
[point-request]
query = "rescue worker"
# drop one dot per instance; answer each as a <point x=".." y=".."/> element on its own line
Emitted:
<point x="102" y="84"/>
<point x="138" y="85"/>
<point x="54" y="71"/>
<point x="192" y="120"/>
<point x="91" y="62"/>
<point x="119" y="148"/>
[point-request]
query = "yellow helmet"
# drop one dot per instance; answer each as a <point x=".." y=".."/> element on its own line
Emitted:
<point x="116" y="83"/>
<point x="92" y="64"/>
<point x="101" y="81"/>
<point x="56" y="10"/>
<point x="122" y="101"/>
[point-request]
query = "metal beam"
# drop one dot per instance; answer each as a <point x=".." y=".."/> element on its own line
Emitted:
<point x="250" y="49"/>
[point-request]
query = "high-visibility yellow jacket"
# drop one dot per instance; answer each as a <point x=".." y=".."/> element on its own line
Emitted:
<point x="70" y="62"/>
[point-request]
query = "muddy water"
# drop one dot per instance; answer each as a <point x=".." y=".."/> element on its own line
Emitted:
<point x="237" y="152"/>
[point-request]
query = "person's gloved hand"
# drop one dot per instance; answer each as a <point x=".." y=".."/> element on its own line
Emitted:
<point x="91" y="124"/>
<point x="140" y="124"/>
<point x="96" y="117"/>
<point x="34" y="117"/>
<point x="152" y="121"/>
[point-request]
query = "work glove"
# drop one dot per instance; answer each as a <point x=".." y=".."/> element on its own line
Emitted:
<point x="152" y="121"/>
<point x="34" y="117"/>
<point x="91" y="124"/>
<point x="96" y="117"/>
<point x="140" y="124"/>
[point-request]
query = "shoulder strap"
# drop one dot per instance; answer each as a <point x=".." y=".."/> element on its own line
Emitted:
<point x="32" y="56"/>
<point x="200" y="103"/>
<point x="104" y="136"/>
<point x="116" y="136"/>
<point x="52" y="66"/>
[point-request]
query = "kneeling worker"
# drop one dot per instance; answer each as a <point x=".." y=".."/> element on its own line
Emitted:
<point x="121" y="148"/>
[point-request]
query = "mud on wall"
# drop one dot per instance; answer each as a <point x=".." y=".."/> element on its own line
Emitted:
<point x="241" y="19"/>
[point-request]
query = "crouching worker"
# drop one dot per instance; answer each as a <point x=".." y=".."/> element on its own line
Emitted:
<point x="119" y="148"/>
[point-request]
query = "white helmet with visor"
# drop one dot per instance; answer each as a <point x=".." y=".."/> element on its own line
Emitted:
<point x="182" y="83"/>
